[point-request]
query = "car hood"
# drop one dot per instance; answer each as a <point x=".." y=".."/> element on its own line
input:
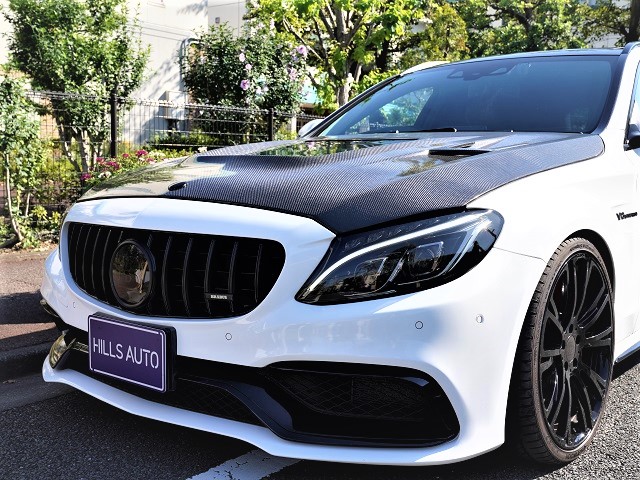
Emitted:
<point x="354" y="183"/>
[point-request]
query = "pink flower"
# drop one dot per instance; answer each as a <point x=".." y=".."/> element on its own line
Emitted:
<point x="140" y="153"/>
<point x="85" y="176"/>
<point x="99" y="159"/>
<point x="293" y="74"/>
<point x="241" y="57"/>
<point x="244" y="85"/>
<point x="125" y="155"/>
<point x="302" y="50"/>
<point x="248" y="67"/>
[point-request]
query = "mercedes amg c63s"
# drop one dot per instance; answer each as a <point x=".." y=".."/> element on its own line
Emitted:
<point x="448" y="262"/>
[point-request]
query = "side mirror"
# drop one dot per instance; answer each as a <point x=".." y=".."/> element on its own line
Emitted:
<point x="633" y="137"/>
<point x="307" y="127"/>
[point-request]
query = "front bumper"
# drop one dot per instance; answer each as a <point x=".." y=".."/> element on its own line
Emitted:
<point x="463" y="335"/>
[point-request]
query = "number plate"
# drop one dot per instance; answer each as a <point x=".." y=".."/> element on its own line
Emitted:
<point x="129" y="352"/>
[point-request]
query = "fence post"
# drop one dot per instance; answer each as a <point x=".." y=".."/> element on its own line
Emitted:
<point x="113" y="138"/>
<point x="270" y="124"/>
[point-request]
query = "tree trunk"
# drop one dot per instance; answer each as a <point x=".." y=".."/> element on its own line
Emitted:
<point x="15" y="226"/>
<point x="342" y="93"/>
<point x="65" y="144"/>
<point x="634" y="21"/>
<point x="83" y="146"/>
<point x="382" y="59"/>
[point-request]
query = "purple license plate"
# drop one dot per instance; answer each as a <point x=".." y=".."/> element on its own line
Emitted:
<point x="132" y="353"/>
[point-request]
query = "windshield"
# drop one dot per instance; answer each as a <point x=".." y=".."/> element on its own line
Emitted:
<point x="528" y="94"/>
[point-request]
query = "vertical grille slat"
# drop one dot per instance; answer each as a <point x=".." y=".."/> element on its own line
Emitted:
<point x="165" y="288"/>
<point x="95" y="267"/>
<point x="104" y="267"/>
<point x="76" y="256"/>
<point x="185" y="278"/>
<point x="232" y="281"/>
<point x="85" y="263"/>
<point x="207" y="275"/>
<point x="195" y="275"/>
<point x="72" y="243"/>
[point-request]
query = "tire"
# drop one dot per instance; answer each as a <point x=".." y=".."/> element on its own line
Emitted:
<point x="564" y="361"/>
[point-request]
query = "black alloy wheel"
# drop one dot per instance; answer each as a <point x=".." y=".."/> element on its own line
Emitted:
<point x="565" y="356"/>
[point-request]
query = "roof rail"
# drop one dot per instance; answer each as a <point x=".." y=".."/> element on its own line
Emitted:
<point x="629" y="46"/>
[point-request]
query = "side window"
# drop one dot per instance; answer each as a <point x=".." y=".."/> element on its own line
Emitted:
<point x="399" y="114"/>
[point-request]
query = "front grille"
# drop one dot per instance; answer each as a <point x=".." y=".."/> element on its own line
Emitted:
<point x="239" y="271"/>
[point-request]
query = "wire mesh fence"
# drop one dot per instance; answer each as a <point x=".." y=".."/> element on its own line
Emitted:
<point x="79" y="130"/>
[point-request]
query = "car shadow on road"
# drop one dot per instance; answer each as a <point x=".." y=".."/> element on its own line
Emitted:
<point x="24" y="307"/>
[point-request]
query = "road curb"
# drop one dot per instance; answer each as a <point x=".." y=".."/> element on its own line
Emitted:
<point x="22" y="361"/>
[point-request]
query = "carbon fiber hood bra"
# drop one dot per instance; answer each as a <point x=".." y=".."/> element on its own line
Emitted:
<point x="350" y="184"/>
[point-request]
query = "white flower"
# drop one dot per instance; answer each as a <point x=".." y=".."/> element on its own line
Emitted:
<point x="202" y="149"/>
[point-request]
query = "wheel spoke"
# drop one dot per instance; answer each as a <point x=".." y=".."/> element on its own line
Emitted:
<point x="564" y="292"/>
<point x="599" y="340"/>
<point x="558" y="403"/>
<point x="556" y="352"/>
<point x="584" y="402"/>
<point x="544" y="366"/>
<point x="574" y="274"/>
<point x="567" y="431"/>
<point x="594" y="311"/>
<point x="554" y="315"/>
<point x="585" y="288"/>
<point x="596" y="380"/>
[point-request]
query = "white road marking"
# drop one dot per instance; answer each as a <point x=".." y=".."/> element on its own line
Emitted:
<point x="254" y="465"/>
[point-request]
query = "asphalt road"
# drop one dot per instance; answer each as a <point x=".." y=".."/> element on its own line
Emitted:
<point x="58" y="433"/>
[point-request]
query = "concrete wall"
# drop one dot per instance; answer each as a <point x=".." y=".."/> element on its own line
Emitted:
<point x="229" y="11"/>
<point x="166" y="26"/>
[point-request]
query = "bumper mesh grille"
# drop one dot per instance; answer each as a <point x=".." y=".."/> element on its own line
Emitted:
<point x="239" y="271"/>
<point x="357" y="396"/>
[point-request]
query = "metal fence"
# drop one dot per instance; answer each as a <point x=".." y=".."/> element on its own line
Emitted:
<point x="78" y="129"/>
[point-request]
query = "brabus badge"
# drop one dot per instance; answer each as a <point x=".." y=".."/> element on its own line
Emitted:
<point x="218" y="296"/>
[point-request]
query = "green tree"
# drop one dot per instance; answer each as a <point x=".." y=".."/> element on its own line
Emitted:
<point x="22" y="153"/>
<point x="346" y="39"/>
<point x="506" y="26"/>
<point x="257" y="69"/>
<point x="617" y="18"/>
<point x="87" y="48"/>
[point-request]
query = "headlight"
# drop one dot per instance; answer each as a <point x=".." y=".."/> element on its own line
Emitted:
<point x="402" y="259"/>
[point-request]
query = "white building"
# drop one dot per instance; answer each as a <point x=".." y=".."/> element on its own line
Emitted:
<point x="167" y="26"/>
<point x="227" y="11"/>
